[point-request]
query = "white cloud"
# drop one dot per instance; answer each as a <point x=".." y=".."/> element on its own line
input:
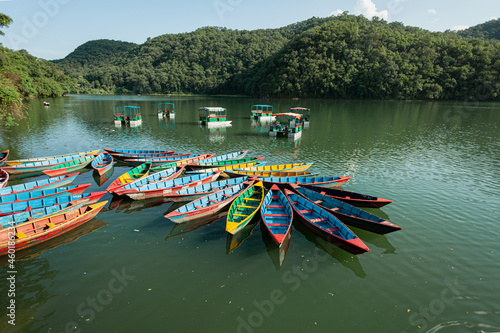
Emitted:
<point x="368" y="9"/>
<point x="460" y="27"/>
<point x="336" y="12"/>
<point x="432" y="11"/>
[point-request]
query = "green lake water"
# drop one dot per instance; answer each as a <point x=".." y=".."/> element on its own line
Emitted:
<point x="132" y="270"/>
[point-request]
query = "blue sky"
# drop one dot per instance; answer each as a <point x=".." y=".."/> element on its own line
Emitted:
<point x="51" y="29"/>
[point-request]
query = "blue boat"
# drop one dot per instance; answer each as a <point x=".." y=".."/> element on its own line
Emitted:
<point x="196" y="192"/>
<point x="103" y="163"/>
<point x="324" y="224"/>
<point x="349" y="214"/>
<point x="3" y="156"/>
<point x="277" y="215"/>
<point x="225" y="157"/>
<point x="38" y="166"/>
<point x="161" y="176"/>
<point x="39" y="184"/>
<point x="50" y="192"/>
<point x="315" y="180"/>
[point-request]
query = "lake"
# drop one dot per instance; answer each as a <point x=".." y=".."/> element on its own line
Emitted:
<point x="132" y="270"/>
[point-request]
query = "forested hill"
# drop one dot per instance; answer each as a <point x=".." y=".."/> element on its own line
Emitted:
<point x="337" y="57"/>
<point x="487" y="30"/>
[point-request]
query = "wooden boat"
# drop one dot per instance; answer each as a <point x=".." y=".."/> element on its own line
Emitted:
<point x="159" y="189"/>
<point x="348" y="214"/>
<point x="3" y="156"/>
<point x="352" y="198"/>
<point x="150" y="156"/>
<point x="18" y="218"/>
<point x="103" y="163"/>
<point x="207" y="205"/>
<point x="317" y="181"/>
<point x="196" y="192"/>
<point x="226" y="157"/>
<point x="265" y="174"/>
<point x="277" y="215"/>
<point x="44" y="193"/>
<point x="278" y="167"/>
<point x="224" y="163"/>
<point x="139" y="172"/>
<point x="47" y="158"/>
<point x="32" y="233"/>
<point x="70" y="166"/>
<point x="18" y="207"/>
<point x="244" y="208"/>
<point x="39" y="184"/>
<point x="158" y="177"/>
<point x="223" y="168"/>
<point x="137" y="152"/>
<point x="4" y="178"/>
<point x="33" y="167"/>
<point x="157" y="161"/>
<point x="324" y="224"/>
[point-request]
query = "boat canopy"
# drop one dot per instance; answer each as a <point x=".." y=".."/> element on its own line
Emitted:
<point x="165" y="106"/>
<point x="299" y="108"/>
<point x="132" y="111"/>
<point x="262" y="107"/>
<point x="217" y="111"/>
<point x="289" y="114"/>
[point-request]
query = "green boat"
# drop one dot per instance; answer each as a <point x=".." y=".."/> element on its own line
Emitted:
<point x="69" y="167"/>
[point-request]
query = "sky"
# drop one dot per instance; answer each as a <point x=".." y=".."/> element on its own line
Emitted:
<point x="51" y="29"/>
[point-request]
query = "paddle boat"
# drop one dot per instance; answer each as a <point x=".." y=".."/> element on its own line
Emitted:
<point x="103" y="163"/>
<point x="277" y="215"/>
<point x="244" y="208"/>
<point x="262" y="112"/>
<point x="166" y="109"/>
<point x="324" y="224"/>
<point x="128" y="114"/>
<point x="213" y="116"/>
<point x="304" y="111"/>
<point x="287" y="125"/>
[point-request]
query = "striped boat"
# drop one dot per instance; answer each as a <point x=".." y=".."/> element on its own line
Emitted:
<point x="225" y="163"/>
<point x="70" y="166"/>
<point x="225" y="157"/>
<point x="316" y="181"/>
<point x="161" y="176"/>
<point x="3" y="156"/>
<point x="278" y="167"/>
<point x="277" y="215"/>
<point x="44" y="193"/>
<point x="166" y="160"/>
<point x="196" y="192"/>
<point x="39" y="184"/>
<point x="103" y="163"/>
<point x="137" y="152"/>
<point x="136" y="173"/>
<point x="244" y="208"/>
<point x="55" y="157"/>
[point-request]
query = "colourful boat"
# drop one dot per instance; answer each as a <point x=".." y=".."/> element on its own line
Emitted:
<point x="162" y="176"/>
<point x="3" y="156"/>
<point x="317" y="181"/>
<point x="4" y="178"/>
<point x="166" y="109"/>
<point x="213" y="116"/>
<point x="128" y="114"/>
<point x="196" y="192"/>
<point x="324" y="224"/>
<point x="348" y="214"/>
<point x="44" y="193"/>
<point x="137" y="152"/>
<point x="38" y="166"/>
<point x="244" y="208"/>
<point x="185" y="159"/>
<point x="282" y="173"/>
<point x="224" y="163"/>
<point x="352" y="198"/>
<point x="69" y="167"/>
<point x="278" y="167"/>
<point x="39" y="184"/>
<point x="46" y="158"/>
<point x="224" y="168"/>
<point x="159" y="189"/>
<point x="262" y="112"/>
<point x="18" y="207"/>
<point x="306" y="113"/>
<point x="207" y="205"/>
<point x="124" y="157"/>
<point x="103" y="163"/>
<point x="277" y="215"/>
<point x="287" y="125"/>
<point x="139" y="172"/>
<point x="225" y="157"/>
<point x="45" y="228"/>
<point x="18" y="218"/>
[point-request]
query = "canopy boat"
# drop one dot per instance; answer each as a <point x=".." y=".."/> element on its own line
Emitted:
<point x="262" y="112"/>
<point x="18" y="207"/>
<point x="352" y="198"/>
<point x="159" y="189"/>
<point x="207" y="205"/>
<point x="3" y="156"/>
<point x="33" y="167"/>
<point x="277" y="167"/>
<point x="196" y="192"/>
<point x="70" y="166"/>
<point x="185" y="159"/>
<point x="223" y="163"/>
<point x="139" y="172"/>
<point x="44" y="193"/>
<point x="282" y="173"/>
<point x="103" y="163"/>
<point x="244" y="208"/>
<point x="287" y="124"/>
<point x="277" y="215"/>
<point x="226" y="157"/>
<point x="18" y="218"/>
<point x="47" y="158"/>
<point x="213" y="116"/>
<point x="136" y="153"/>
<point x="39" y="184"/>
<point x="324" y="224"/>
<point x="127" y="115"/>
<point x="317" y="181"/>
<point x="45" y="228"/>
<point x="4" y="178"/>
<point x="304" y="111"/>
<point x="162" y="176"/>
<point x="348" y="214"/>
<point x="167" y="109"/>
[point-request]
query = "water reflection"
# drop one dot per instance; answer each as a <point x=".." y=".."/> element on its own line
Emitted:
<point x="234" y="241"/>
<point x="186" y="227"/>
<point x="277" y="254"/>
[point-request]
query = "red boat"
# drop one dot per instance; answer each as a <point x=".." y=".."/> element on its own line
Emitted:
<point x="4" y="178"/>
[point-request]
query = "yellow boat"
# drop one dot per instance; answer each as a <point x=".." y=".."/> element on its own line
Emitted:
<point x="278" y="167"/>
<point x="226" y="167"/>
<point x="283" y="173"/>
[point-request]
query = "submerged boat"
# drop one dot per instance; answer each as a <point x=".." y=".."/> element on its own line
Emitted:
<point x="39" y="184"/>
<point x="68" y="167"/>
<point x="324" y="224"/>
<point x="45" y="228"/>
<point x="277" y="215"/>
<point x="244" y="208"/>
<point x="103" y="163"/>
<point x="136" y="173"/>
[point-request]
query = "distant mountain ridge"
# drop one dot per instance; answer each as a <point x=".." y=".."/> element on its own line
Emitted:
<point x="487" y="30"/>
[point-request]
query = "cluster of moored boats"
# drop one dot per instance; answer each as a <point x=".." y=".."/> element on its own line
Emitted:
<point x="246" y="187"/>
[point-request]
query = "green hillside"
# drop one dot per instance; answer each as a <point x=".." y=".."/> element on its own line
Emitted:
<point x="487" y="30"/>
